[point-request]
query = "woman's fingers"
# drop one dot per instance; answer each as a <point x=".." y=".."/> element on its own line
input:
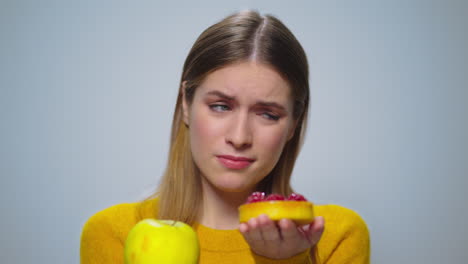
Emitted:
<point x="316" y="229"/>
<point x="253" y="233"/>
<point x="313" y="231"/>
<point x="263" y="236"/>
<point x="243" y="228"/>
<point x="268" y="230"/>
<point x="282" y="239"/>
<point x="264" y="229"/>
<point x="293" y="236"/>
<point x="288" y="230"/>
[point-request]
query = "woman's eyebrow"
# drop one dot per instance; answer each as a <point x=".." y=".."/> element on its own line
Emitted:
<point x="261" y="103"/>
<point x="222" y="95"/>
<point x="271" y="104"/>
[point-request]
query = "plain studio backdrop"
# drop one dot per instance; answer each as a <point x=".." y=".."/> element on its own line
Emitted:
<point x="87" y="96"/>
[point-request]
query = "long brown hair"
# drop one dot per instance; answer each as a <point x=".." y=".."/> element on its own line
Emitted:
<point x="239" y="37"/>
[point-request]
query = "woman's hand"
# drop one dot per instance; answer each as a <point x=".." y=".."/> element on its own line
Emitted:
<point x="283" y="239"/>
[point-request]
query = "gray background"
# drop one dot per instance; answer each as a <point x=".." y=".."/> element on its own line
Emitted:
<point x="87" y="94"/>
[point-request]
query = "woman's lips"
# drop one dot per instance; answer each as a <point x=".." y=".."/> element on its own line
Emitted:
<point x="233" y="162"/>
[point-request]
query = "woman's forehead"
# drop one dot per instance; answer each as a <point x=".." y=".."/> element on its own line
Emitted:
<point x="247" y="80"/>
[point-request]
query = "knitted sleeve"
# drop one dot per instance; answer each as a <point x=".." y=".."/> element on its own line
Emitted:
<point x="103" y="235"/>
<point x="345" y="239"/>
<point x="302" y="258"/>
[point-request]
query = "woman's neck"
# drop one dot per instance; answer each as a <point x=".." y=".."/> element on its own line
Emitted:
<point x="219" y="209"/>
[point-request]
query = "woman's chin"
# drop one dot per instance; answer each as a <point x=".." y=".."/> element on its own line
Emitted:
<point x="229" y="182"/>
<point x="233" y="186"/>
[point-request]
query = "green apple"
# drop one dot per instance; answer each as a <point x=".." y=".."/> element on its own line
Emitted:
<point x="161" y="242"/>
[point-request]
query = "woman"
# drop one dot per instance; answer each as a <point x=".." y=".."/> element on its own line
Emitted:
<point x="238" y="125"/>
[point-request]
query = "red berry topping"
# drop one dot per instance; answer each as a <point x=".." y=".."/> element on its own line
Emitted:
<point x="256" y="197"/>
<point x="296" y="197"/>
<point x="275" y="197"/>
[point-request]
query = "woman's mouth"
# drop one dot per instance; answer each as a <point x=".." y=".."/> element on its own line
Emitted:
<point x="234" y="162"/>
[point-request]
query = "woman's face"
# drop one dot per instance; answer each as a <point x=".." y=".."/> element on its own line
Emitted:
<point x="239" y="121"/>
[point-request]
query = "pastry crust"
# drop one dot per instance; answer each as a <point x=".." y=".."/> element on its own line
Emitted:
<point x="301" y="212"/>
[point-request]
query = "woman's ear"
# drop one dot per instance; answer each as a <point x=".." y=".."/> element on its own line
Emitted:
<point x="185" y="108"/>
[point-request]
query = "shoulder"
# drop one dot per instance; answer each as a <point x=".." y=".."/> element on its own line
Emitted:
<point x="113" y="221"/>
<point x="346" y="234"/>
<point x="104" y="233"/>
<point x="118" y="219"/>
<point x="340" y="217"/>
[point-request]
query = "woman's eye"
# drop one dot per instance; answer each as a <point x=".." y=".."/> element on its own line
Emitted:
<point x="271" y="116"/>
<point x="219" y="107"/>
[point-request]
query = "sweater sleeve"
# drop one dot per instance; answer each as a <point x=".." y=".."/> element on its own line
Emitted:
<point x="302" y="258"/>
<point x="103" y="236"/>
<point x="346" y="239"/>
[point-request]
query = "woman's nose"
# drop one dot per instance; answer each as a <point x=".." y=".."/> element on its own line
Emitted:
<point x="239" y="134"/>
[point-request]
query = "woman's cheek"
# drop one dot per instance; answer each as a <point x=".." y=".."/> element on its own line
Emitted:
<point x="204" y="131"/>
<point x="209" y="126"/>
<point x="272" y="142"/>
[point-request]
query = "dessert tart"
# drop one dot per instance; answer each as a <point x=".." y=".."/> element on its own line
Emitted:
<point x="295" y="207"/>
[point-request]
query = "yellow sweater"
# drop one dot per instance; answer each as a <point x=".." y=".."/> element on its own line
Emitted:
<point x="344" y="241"/>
